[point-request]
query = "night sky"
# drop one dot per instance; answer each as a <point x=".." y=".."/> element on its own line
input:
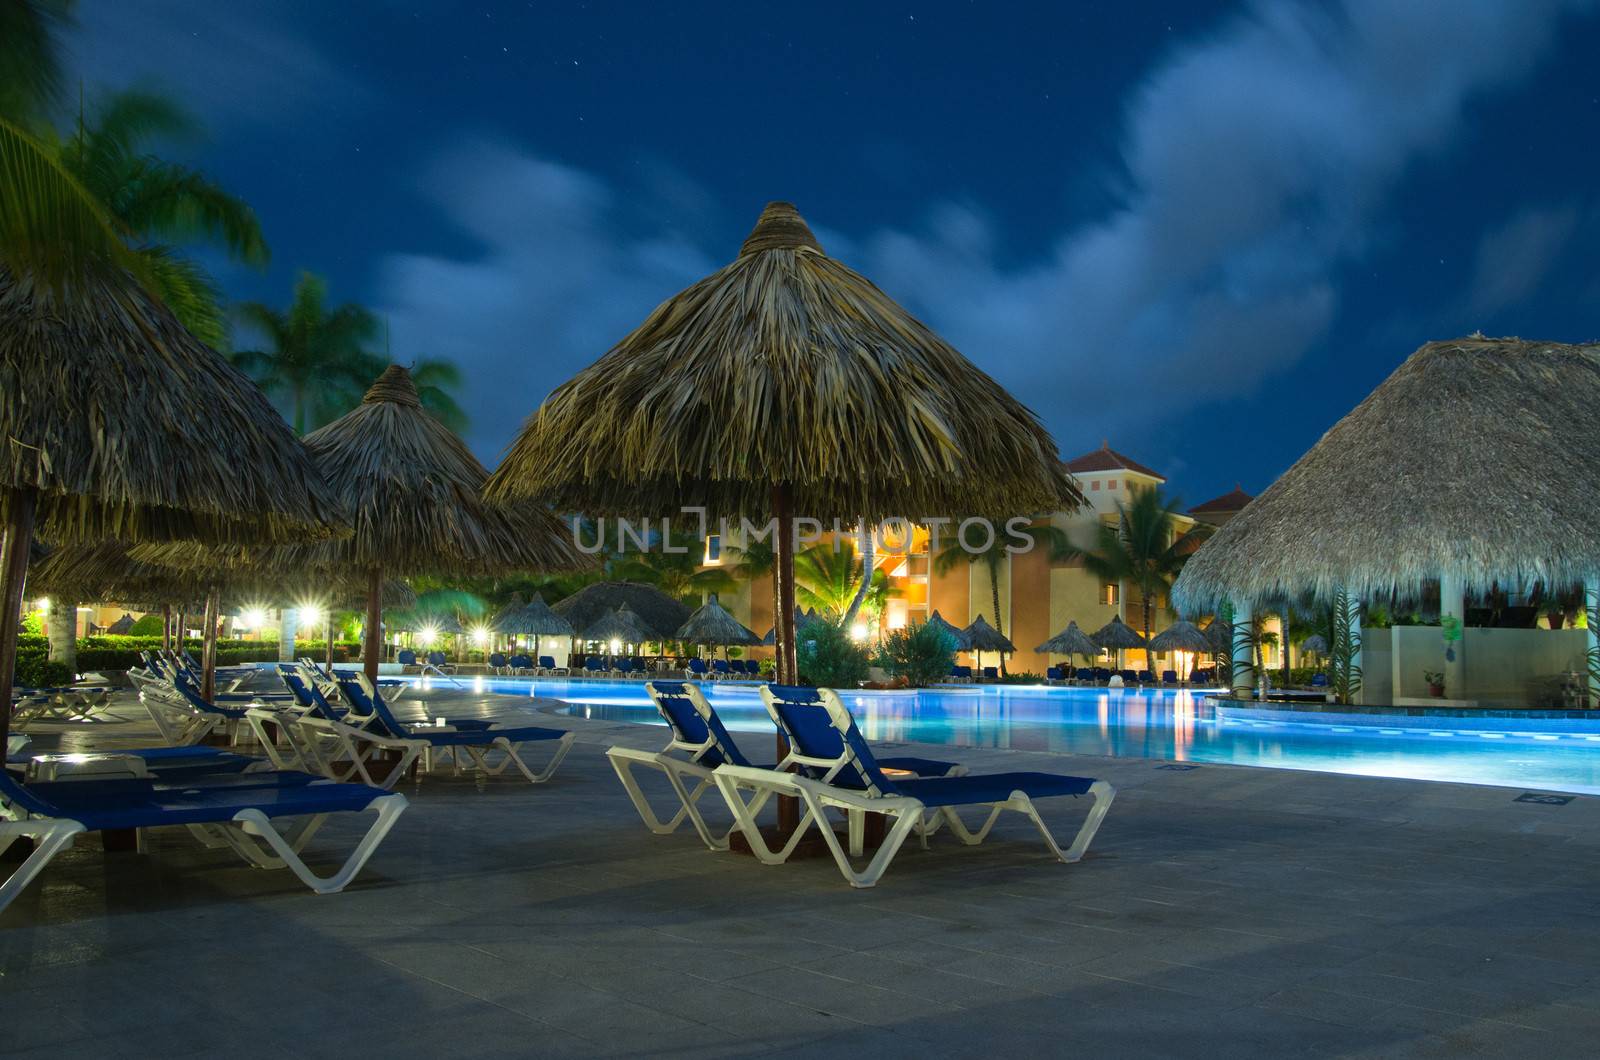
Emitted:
<point x="1201" y="230"/>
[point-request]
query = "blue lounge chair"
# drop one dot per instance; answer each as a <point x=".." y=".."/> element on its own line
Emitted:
<point x="593" y="666"/>
<point x="498" y="663"/>
<point x="1319" y="680"/>
<point x="407" y="657"/>
<point x="1169" y="677"/>
<point x="719" y="668"/>
<point x="700" y="743"/>
<point x="548" y="667"/>
<point x="827" y="746"/>
<point x="1055" y="675"/>
<point x="237" y="810"/>
<point x="520" y="664"/>
<point x="625" y="667"/>
<point x="991" y="673"/>
<point x="1146" y="677"/>
<point x="961" y="674"/>
<point x="475" y="738"/>
<point x="697" y="668"/>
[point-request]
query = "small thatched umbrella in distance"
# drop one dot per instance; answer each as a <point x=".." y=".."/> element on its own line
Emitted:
<point x="1219" y="635"/>
<point x="1316" y="645"/>
<point x="1070" y="641"/>
<point x="657" y="613"/>
<point x="535" y="619"/>
<point x="956" y="633"/>
<point x="121" y="626"/>
<point x="619" y="625"/>
<point x="1117" y="635"/>
<point x="119" y="424"/>
<point x="983" y="637"/>
<point x="414" y="488"/>
<point x="802" y="619"/>
<point x="1181" y="636"/>
<point x="784" y="384"/>
<point x="713" y="626"/>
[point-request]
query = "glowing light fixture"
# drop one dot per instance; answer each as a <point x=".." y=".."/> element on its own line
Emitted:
<point x="616" y="646"/>
<point x="480" y="636"/>
<point x="310" y="614"/>
<point x="858" y="632"/>
<point x="253" y="618"/>
<point x="44" y="604"/>
<point x="429" y="634"/>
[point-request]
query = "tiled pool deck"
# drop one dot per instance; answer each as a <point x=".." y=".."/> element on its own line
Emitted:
<point x="1223" y="912"/>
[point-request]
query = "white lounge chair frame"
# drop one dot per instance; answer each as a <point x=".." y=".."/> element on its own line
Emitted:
<point x="688" y="779"/>
<point x="908" y="814"/>
<point x="251" y="834"/>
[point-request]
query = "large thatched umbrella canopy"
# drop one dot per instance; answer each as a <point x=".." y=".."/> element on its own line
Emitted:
<point x="1219" y="635"/>
<point x="712" y="624"/>
<point x="982" y="637"/>
<point x="1181" y="636"/>
<point x="957" y="635"/>
<point x="1117" y="635"/>
<point x="1473" y="461"/>
<point x="414" y="490"/>
<point x="1070" y="641"/>
<point x="784" y="384"/>
<point x="535" y="619"/>
<point x="119" y="424"/>
<point x="659" y="614"/>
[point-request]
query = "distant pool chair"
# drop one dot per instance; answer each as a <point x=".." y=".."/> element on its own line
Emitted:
<point x="1169" y="677"/>
<point x="991" y="673"/>
<point x="498" y="663"/>
<point x="520" y="664"/>
<point x="719" y="669"/>
<point x="548" y="667"/>
<point x="960" y="675"/>
<point x="1146" y="677"/>
<point x="407" y="660"/>
<point x="1055" y="675"/>
<point x="1319" y="680"/>
<point x="697" y="668"/>
<point x="625" y="667"/>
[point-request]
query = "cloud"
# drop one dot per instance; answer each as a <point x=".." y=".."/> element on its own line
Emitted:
<point x="558" y="281"/>
<point x="1516" y="257"/>
<point x="231" y="61"/>
<point x="1255" y="165"/>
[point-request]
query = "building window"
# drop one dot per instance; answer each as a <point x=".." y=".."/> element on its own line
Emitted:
<point x="714" y="548"/>
<point x="1108" y="594"/>
<point x="1111" y="485"/>
<point x="1094" y="485"/>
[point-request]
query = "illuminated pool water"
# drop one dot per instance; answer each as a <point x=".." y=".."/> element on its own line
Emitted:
<point x="1180" y="725"/>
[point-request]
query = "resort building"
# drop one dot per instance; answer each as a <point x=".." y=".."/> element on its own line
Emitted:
<point x="1218" y="510"/>
<point x="1037" y="596"/>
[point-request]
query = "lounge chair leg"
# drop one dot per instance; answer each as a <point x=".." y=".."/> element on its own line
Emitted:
<point x="903" y="825"/>
<point x="50" y="838"/>
<point x="966" y="835"/>
<point x="388" y="809"/>
<point x="1103" y="793"/>
<point x="688" y="801"/>
<point x="745" y="814"/>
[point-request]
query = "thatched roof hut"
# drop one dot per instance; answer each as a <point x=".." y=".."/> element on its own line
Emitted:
<point x="1316" y="644"/>
<point x="981" y="636"/>
<point x="121" y="626"/>
<point x="659" y="614"/>
<point x="1473" y="460"/>
<point x="1117" y="634"/>
<point x="1181" y="636"/>
<point x="621" y="625"/>
<point x="1219" y="636"/>
<point x="801" y="620"/>
<point x="712" y="624"/>
<point x="784" y="384"/>
<point x="956" y="633"/>
<point x="1070" y="641"/>
<point x="130" y="428"/>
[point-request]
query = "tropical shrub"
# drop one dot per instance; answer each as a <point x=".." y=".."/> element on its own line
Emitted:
<point x="920" y="653"/>
<point x="828" y="658"/>
<point x="148" y="626"/>
<point x="36" y="671"/>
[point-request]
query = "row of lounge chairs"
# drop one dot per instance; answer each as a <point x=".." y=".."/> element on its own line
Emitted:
<point x="831" y="770"/>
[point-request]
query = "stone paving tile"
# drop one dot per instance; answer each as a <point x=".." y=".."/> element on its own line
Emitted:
<point x="1223" y="911"/>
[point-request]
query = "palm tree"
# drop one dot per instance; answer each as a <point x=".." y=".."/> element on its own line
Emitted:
<point x="1144" y="548"/>
<point x="955" y="552"/>
<point x="30" y="58"/>
<point x="163" y="203"/>
<point x="675" y="573"/>
<point x="828" y="576"/>
<point x="315" y="356"/>
<point x="435" y="382"/>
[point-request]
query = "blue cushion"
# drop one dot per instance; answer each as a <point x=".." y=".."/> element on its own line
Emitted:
<point x="142" y="804"/>
<point x="483" y="737"/>
<point x="990" y="787"/>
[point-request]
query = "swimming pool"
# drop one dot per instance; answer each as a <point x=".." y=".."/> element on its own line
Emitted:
<point x="1178" y="725"/>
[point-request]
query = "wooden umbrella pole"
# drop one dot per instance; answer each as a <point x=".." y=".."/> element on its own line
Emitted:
<point x="166" y="627"/>
<point x="329" y="621"/>
<point x="20" y="506"/>
<point x="179" y="631"/>
<point x="784" y="554"/>
<point x="208" y="653"/>
<point x="374" y="642"/>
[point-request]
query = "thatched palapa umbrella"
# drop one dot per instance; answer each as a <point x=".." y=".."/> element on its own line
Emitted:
<point x="1181" y="636"/>
<point x="982" y="637"/>
<point x="619" y="625"/>
<point x="121" y="626"/>
<point x="713" y="626"/>
<point x="956" y="633"/>
<point x="119" y="424"/>
<point x="415" y="491"/>
<point x="1070" y="641"/>
<point x="784" y="384"/>
<point x="535" y="619"/>
<point x="802" y="619"/>
<point x="1117" y="635"/>
<point x="657" y="613"/>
